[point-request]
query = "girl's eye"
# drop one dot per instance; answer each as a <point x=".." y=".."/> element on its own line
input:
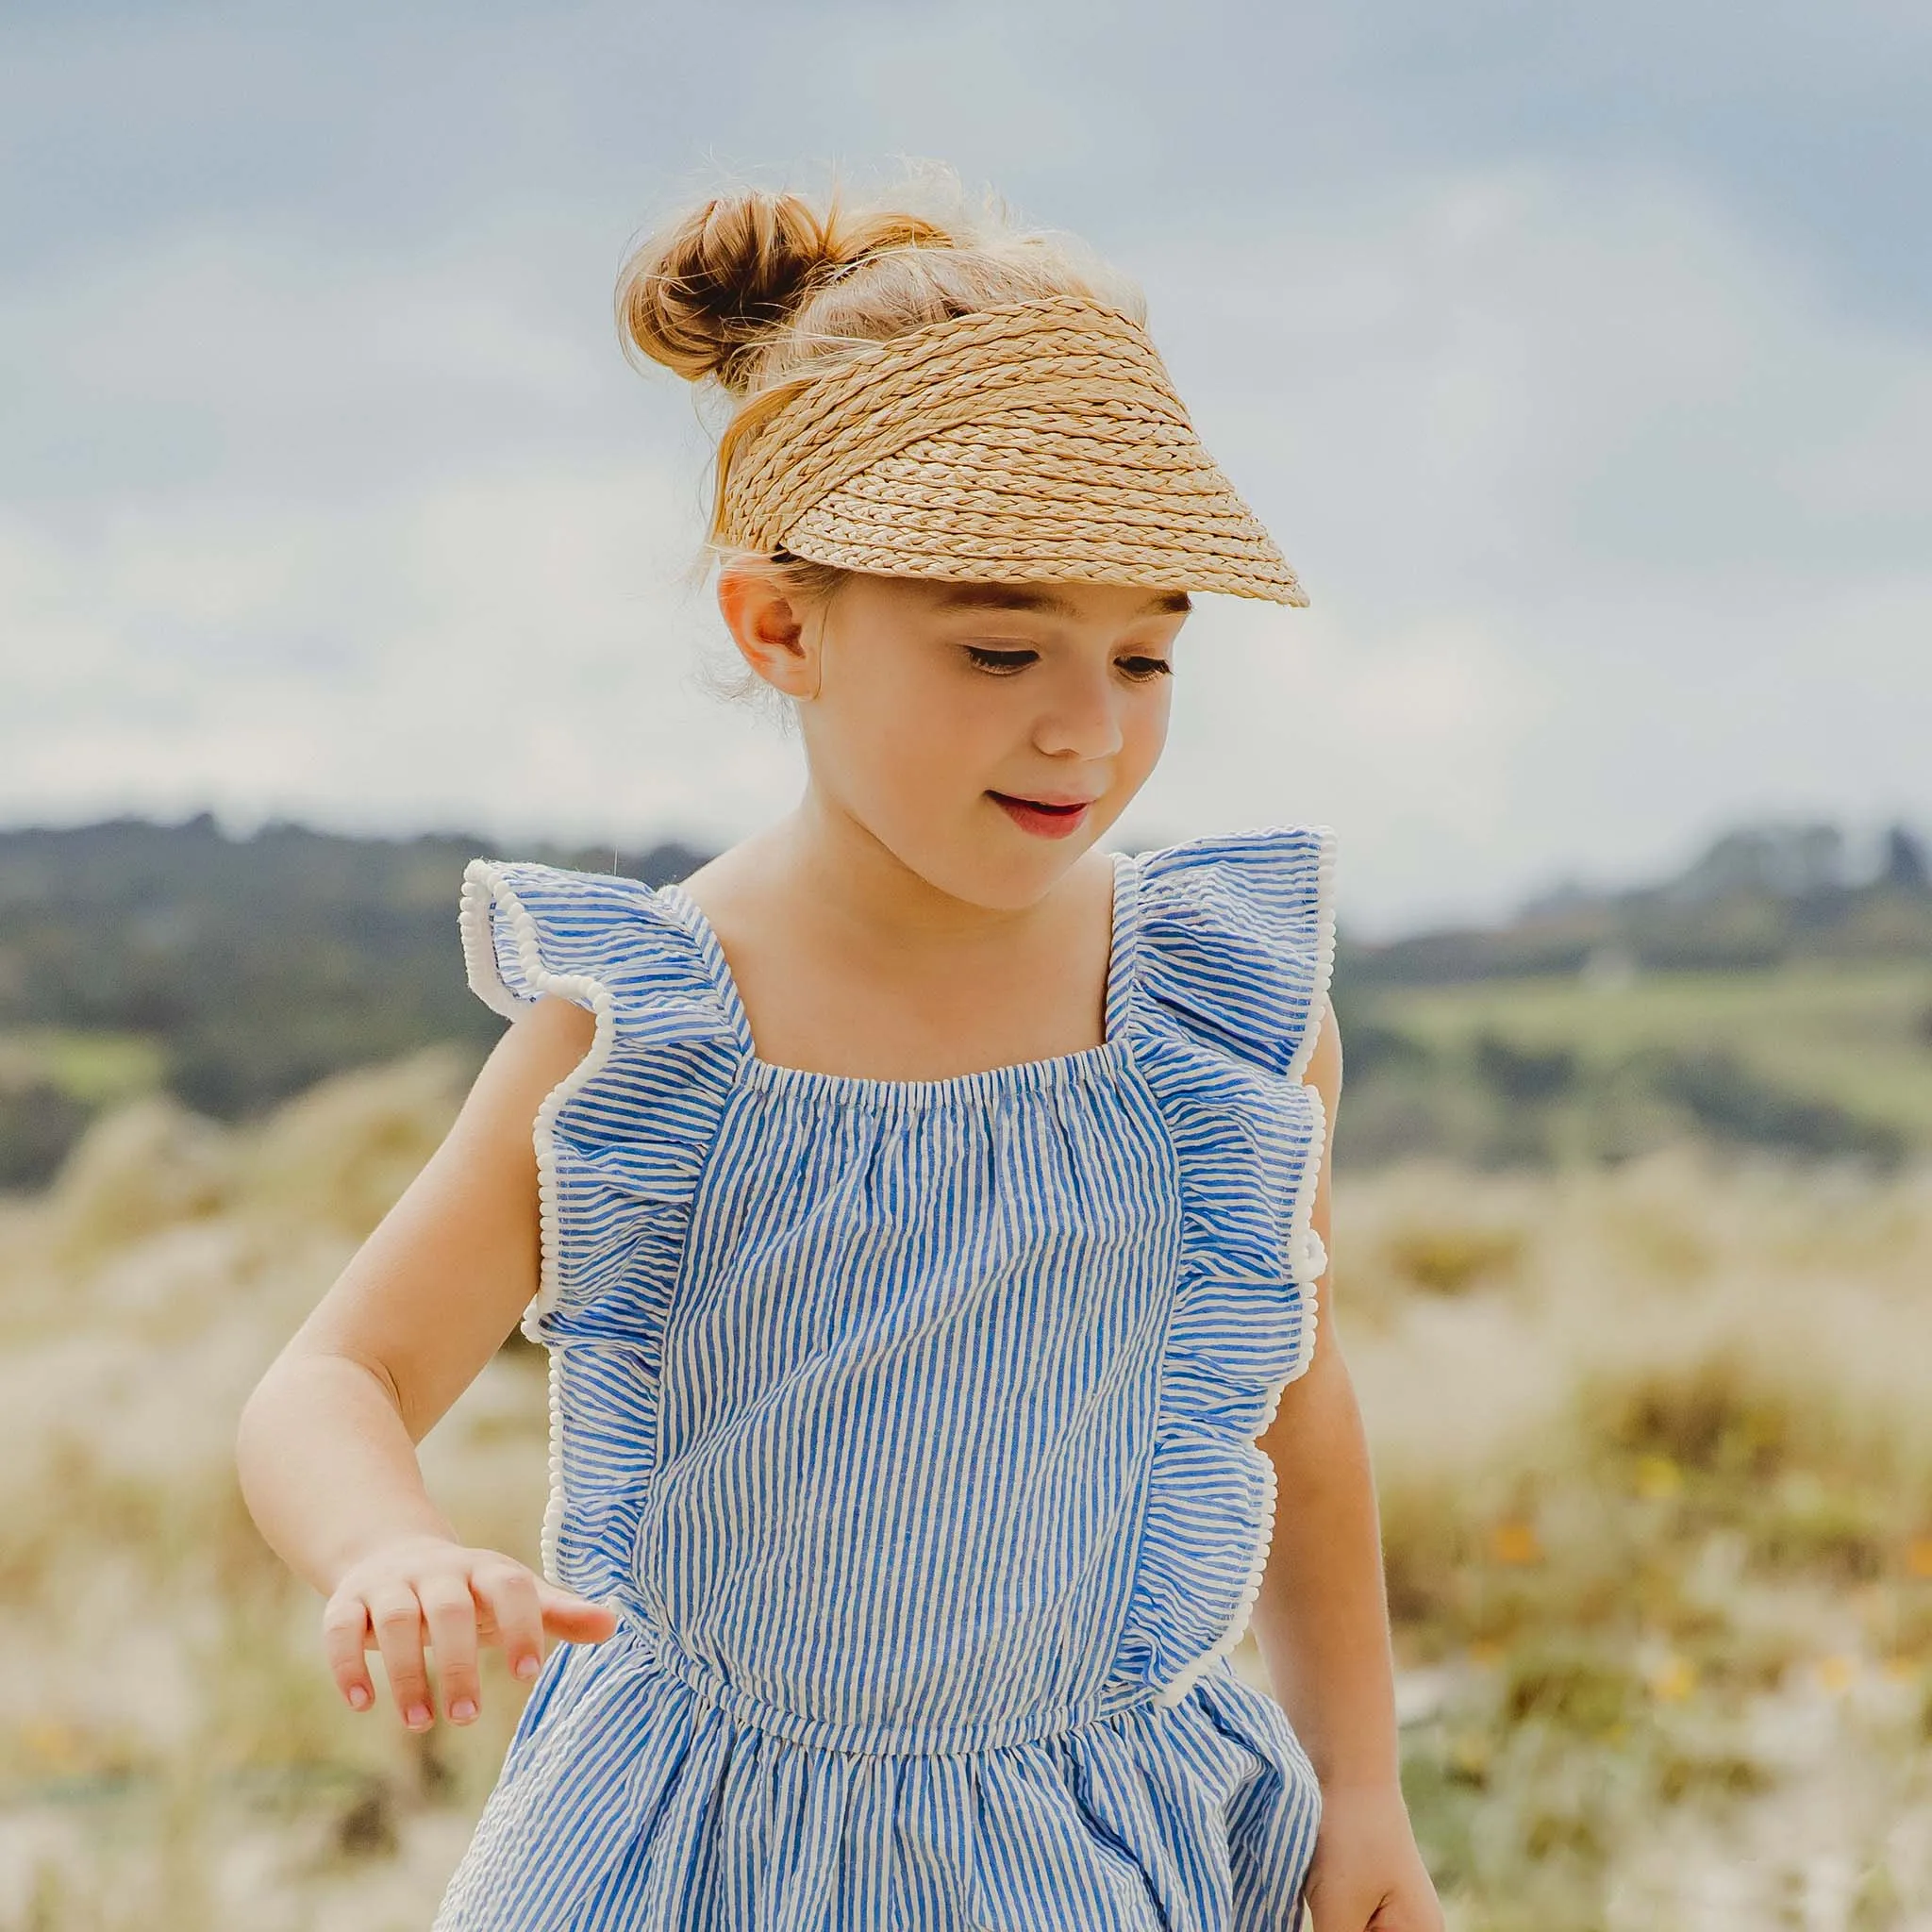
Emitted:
<point x="1004" y="660"/>
<point x="990" y="658"/>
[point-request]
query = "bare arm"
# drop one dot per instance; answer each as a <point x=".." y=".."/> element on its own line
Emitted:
<point x="326" y="1447"/>
<point x="1322" y="1618"/>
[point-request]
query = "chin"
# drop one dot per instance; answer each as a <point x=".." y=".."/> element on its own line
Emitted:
<point x="988" y="860"/>
<point x="1010" y="880"/>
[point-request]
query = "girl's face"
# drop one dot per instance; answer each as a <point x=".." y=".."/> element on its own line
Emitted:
<point x="987" y="735"/>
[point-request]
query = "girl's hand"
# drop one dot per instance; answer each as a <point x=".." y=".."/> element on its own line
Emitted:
<point x="1367" y="1875"/>
<point x="424" y="1587"/>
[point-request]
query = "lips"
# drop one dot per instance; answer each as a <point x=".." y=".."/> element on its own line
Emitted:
<point x="1045" y="818"/>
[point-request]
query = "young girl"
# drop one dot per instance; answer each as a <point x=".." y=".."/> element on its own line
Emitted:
<point x="923" y="1209"/>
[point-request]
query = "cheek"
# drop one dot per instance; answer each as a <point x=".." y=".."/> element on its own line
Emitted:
<point x="1144" y="732"/>
<point x="906" y="740"/>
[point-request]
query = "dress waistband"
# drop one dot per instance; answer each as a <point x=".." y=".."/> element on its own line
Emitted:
<point x="883" y="1739"/>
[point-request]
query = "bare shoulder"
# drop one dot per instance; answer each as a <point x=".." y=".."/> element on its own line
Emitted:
<point x="550" y="1027"/>
<point x="739" y="879"/>
<point x="542" y="1045"/>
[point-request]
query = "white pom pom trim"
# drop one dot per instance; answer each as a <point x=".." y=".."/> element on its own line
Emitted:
<point x="488" y="895"/>
<point x="1308" y="1262"/>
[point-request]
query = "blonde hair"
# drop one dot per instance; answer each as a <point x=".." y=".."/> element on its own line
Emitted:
<point x="754" y="293"/>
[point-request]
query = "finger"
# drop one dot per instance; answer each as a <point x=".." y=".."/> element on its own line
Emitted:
<point x="345" y="1638"/>
<point x="509" y="1595"/>
<point x="574" y="1619"/>
<point x="398" y="1620"/>
<point x="450" y="1612"/>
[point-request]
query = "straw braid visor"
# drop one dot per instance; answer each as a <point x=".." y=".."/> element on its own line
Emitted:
<point x="1041" y="440"/>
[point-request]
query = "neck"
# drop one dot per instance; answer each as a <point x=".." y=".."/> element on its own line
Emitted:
<point x="843" y="875"/>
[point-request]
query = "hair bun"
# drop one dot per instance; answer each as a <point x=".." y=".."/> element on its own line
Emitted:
<point x="706" y="295"/>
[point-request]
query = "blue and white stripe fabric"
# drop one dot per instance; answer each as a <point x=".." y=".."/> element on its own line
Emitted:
<point x="910" y="1428"/>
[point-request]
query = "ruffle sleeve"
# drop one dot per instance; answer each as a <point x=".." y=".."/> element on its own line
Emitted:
<point x="1233" y="949"/>
<point x="621" y="1144"/>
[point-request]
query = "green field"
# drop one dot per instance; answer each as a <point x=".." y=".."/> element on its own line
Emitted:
<point x="1860" y="1036"/>
<point x="1816" y="1059"/>
<point x="93" y="1068"/>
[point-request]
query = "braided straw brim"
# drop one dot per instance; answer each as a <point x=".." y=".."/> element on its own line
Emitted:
<point x="1041" y="440"/>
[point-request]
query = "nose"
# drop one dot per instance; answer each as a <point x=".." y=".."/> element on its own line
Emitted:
<point x="1082" y="715"/>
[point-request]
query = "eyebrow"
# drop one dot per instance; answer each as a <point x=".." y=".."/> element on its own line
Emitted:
<point x="1018" y="597"/>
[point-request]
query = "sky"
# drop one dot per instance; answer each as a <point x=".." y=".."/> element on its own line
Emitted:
<point x="1579" y="360"/>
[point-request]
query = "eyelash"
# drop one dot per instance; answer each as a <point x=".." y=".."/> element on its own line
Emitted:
<point x="1006" y="663"/>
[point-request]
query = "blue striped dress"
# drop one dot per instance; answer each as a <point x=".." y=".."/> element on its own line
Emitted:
<point x="909" y="1428"/>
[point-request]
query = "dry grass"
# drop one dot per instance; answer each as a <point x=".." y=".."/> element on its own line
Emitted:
<point x="1656" y="1470"/>
<point x="1656" y="1494"/>
<point x="171" y="1755"/>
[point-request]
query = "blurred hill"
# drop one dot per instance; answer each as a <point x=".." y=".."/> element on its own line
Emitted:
<point x="1773" y="994"/>
<point x="1759" y="897"/>
<point x="229" y="972"/>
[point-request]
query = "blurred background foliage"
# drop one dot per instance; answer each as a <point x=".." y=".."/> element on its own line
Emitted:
<point x="1775" y="994"/>
<point x="229" y="973"/>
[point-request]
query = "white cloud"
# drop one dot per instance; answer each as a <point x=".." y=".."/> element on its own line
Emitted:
<point x="1657" y="502"/>
<point x="1613" y="521"/>
<point x="1409" y="744"/>
<point x="514" y="653"/>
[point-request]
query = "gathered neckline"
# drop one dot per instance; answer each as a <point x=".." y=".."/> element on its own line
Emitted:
<point x="1024" y="1075"/>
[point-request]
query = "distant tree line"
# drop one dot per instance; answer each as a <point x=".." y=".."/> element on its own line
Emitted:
<point x="1757" y="897"/>
<point x="246" y="968"/>
<point x="254" y="965"/>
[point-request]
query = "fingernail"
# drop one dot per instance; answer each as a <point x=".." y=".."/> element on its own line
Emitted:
<point x="358" y="1697"/>
<point x="527" y="1667"/>
<point x="462" y="1710"/>
<point x="418" y="1716"/>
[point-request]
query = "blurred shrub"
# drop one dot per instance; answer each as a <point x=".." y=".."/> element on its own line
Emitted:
<point x="1569" y="1685"/>
<point x="1731" y="1102"/>
<point x="39" y="1123"/>
<point x="1521" y="1073"/>
<point x="144" y="1166"/>
<point x="1451" y="1258"/>
<point x="1806" y="1524"/>
<point x="1372" y="1050"/>
<point x="1710" y="1414"/>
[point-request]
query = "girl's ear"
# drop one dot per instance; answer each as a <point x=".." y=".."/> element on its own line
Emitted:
<point x="771" y="632"/>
